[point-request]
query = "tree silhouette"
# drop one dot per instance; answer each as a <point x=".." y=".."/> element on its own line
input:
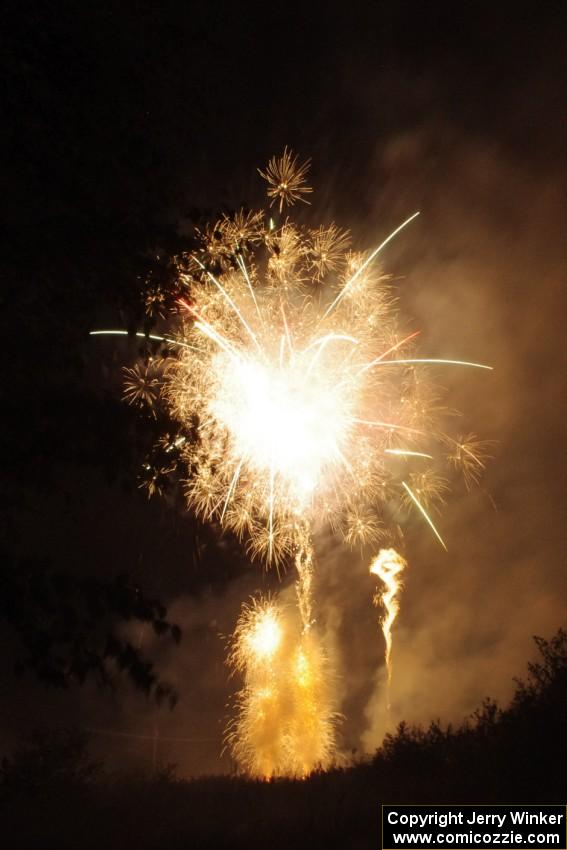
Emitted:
<point x="510" y="755"/>
<point x="68" y="627"/>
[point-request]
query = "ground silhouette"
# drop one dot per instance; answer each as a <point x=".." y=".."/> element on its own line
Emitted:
<point x="52" y="794"/>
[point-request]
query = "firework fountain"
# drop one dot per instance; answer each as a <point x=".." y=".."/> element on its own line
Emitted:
<point x="388" y="566"/>
<point x="300" y="404"/>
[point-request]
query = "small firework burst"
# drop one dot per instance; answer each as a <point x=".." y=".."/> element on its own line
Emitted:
<point x="362" y="527"/>
<point x="428" y="487"/>
<point x="326" y="252"/>
<point x="469" y="454"/>
<point x="155" y="302"/>
<point x="243" y="230"/>
<point x="214" y="248"/>
<point x="286" y="179"/>
<point x="286" y="253"/>
<point x="142" y="385"/>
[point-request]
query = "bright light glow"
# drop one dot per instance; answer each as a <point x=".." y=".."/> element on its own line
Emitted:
<point x="265" y="635"/>
<point x="280" y="421"/>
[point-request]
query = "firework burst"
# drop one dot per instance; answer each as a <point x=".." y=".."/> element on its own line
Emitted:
<point x="300" y="403"/>
<point x="306" y="401"/>
<point x="142" y="385"/>
<point x="286" y="179"/>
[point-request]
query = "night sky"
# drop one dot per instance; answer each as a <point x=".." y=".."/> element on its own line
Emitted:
<point x="125" y="122"/>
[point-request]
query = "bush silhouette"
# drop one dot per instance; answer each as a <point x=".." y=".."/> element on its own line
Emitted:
<point x="511" y="755"/>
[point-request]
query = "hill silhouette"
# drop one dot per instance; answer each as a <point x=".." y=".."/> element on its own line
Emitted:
<point x="52" y="794"/>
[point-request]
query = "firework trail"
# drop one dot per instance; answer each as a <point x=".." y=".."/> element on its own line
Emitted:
<point x="296" y="402"/>
<point x="388" y="565"/>
<point x="304" y="582"/>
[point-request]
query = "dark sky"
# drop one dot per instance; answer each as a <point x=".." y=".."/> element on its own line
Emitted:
<point x="121" y="120"/>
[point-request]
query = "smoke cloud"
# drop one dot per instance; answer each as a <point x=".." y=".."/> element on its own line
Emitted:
<point x="482" y="274"/>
